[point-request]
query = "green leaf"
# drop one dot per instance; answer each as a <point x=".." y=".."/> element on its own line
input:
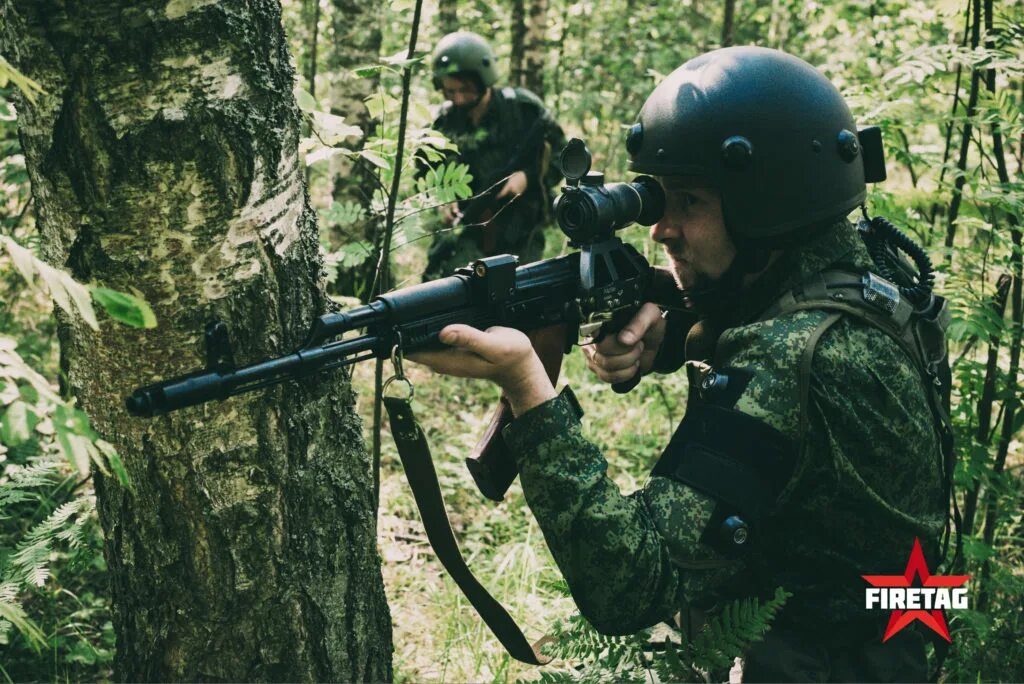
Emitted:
<point x="333" y="129"/>
<point x="343" y="214"/>
<point x="115" y="462"/>
<point x="17" y="424"/>
<point x="75" y="436"/>
<point x="28" y="87"/>
<point x="377" y="105"/>
<point x="375" y="159"/>
<point x="353" y="254"/>
<point x="306" y="102"/>
<point x="367" y="70"/>
<point x="125" y="308"/>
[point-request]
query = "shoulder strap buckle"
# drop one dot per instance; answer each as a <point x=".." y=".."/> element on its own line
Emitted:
<point x="881" y="293"/>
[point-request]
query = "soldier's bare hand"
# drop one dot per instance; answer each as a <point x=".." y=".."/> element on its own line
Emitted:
<point x="618" y="358"/>
<point x="502" y="355"/>
<point x="515" y="185"/>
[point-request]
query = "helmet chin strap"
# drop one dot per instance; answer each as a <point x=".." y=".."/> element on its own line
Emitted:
<point x="716" y="296"/>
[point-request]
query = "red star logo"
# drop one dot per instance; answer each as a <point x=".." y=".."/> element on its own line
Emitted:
<point x="934" y="619"/>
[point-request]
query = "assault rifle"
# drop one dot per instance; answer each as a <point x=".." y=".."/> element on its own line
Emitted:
<point x="594" y="291"/>
<point x="557" y="301"/>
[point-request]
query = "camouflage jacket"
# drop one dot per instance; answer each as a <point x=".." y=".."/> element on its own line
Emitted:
<point x="488" y="147"/>
<point x="867" y="483"/>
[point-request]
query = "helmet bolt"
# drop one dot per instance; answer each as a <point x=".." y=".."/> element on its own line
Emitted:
<point x="849" y="148"/>
<point x="660" y="153"/>
<point x="816" y="145"/>
<point x="737" y="152"/>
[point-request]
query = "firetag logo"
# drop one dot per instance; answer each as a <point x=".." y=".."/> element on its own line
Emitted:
<point x="908" y="603"/>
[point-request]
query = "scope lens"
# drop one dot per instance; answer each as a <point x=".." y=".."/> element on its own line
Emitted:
<point x="572" y="217"/>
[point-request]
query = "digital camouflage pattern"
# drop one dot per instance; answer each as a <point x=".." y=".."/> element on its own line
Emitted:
<point x="867" y="484"/>
<point x="487" y="148"/>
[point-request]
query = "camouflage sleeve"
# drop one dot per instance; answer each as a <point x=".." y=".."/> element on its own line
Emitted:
<point x="630" y="561"/>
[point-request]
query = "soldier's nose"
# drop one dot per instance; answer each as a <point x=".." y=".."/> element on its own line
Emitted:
<point x="665" y="230"/>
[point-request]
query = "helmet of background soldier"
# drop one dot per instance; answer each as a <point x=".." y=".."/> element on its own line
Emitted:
<point x="464" y="52"/>
<point x="769" y="131"/>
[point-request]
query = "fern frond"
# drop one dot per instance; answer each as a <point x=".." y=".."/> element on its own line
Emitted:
<point x="42" y="473"/>
<point x="30" y="562"/>
<point x="12" y="613"/>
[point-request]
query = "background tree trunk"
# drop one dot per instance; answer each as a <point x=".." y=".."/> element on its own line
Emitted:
<point x="517" y="55"/>
<point x="163" y="159"/>
<point x="728" y="22"/>
<point x="355" y="42"/>
<point x="536" y="47"/>
<point x="446" y="16"/>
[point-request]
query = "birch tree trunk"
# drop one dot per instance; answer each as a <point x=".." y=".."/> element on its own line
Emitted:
<point x="163" y="160"/>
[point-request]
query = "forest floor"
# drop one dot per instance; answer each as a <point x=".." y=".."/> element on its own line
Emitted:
<point x="438" y="636"/>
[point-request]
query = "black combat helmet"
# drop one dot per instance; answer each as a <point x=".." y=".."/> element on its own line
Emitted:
<point x="768" y="130"/>
<point x="464" y="52"/>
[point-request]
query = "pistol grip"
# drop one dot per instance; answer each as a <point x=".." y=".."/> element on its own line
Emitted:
<point x="627" y="385"/>
<point x="492" y="466"/>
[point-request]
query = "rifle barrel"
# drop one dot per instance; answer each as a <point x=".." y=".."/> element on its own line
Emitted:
<point x="198" y="388"/>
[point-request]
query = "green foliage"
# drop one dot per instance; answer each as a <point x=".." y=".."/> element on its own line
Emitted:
<point x="29" y="88"/>
<point x="48" y="520"/>
<point x="74" y="297"/>
<point x="445" y="183"/>
<point x="594" y="657"/>
<point x="124" y="308"/>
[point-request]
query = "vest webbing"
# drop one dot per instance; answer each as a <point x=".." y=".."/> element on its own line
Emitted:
<point x="843" y="293"/>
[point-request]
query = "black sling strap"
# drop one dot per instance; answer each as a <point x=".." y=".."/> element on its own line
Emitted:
<point x="419" y="469"/>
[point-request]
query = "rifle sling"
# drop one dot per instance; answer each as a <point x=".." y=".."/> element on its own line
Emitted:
<point x="419" y="469"/>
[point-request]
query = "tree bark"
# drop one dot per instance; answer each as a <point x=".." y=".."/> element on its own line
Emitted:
<point x="728" y="19"/>
<point x="516" y="60"/>
<point x="447" y="18"/>
<point x="356" y="41"/>
<point x="965" y="141"/>
<point x="163" y="158"/>
<point x="535" y="50"/>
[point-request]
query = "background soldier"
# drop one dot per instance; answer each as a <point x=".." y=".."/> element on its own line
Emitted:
<point x="806" y="411"/>
<point x="494" y="129"/>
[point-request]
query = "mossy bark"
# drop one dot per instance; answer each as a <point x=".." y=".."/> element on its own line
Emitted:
<point x="163" y="160"/>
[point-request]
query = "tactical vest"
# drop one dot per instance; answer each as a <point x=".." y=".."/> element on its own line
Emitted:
<point x="754" y="480"/>
<point x="745" y="463"/>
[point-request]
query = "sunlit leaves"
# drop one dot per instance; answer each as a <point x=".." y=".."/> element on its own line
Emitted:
<point x="343" y="214"/>
<point x="74" y="297"/>
<point x="446" y="183"/>
<point x="29" y="88"/>
<point x="125" y="308"/>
